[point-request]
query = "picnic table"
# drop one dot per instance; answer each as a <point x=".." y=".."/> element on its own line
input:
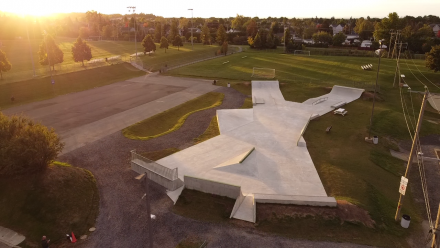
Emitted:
<point x="340" y="111"/>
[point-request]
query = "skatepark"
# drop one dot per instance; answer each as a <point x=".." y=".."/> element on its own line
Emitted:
<point x="259" y="156"/>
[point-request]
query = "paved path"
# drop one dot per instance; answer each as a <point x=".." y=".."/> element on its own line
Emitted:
<point x="87" y="116"/>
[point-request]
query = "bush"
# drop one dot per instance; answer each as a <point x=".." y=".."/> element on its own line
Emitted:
<point x="26" y="147"/>
<point x="240" y="40"/>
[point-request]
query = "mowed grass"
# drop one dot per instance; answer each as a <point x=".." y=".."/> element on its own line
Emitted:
<point x="62" y="200"/>
<point x="350" y="169"/>
<point x="210" y="132"/>
<point x="19" y="54"/>
<point x="41" y="88"/>
<point x="172" y="119"/>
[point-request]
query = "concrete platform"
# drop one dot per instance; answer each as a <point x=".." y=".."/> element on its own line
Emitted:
<point x="10" y="238"/>
<point x="280" y="169"/>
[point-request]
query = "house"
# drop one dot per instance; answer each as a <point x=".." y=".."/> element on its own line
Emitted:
<point x="366" y="43"/>
<point x="195" y="30"/>
<point x="232" y="31"/>
<point x="435" y="28"/>
<point x="337" y="28"/>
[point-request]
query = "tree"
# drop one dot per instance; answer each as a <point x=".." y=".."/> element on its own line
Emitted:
<point x="238" y="22"/>
<point x="224" y="48"/>
<point x="433" y="59"/>
<point x="81" y="51"/>
<point x="26" y="147"/>
<point x="177" y="42"/>
<point x="269" y="42"/>
<point x="364" y="28"/>
<point x="107" y="31"/>
<point x="158" y="32"/>
<point x="164" y="43"/>
<point x="205" y="36"/>
<point x="49" y="52"/>
<point x="5" y="65"/>
<point x="339" y="38"/>
<point x="250" y="41"/>
<point x="287" y="35"/>
<point x="257" y="41"/>
<point x="84" y="32"/>
<point x="148" y="44"/>
<point x="251" y="29"/>
<point x="221" y="35"/>
<point x="382" y="29"/>
<point x="173" y="30"/>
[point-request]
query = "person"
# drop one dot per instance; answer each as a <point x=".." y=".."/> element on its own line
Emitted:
<point x="45" y="242"/>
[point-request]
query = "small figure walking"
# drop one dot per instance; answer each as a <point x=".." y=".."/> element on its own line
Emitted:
<point x="12" y="98"/>
<point x="45" y="242"/>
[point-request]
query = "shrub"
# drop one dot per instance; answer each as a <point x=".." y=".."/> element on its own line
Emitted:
<point x="25" y="146"/>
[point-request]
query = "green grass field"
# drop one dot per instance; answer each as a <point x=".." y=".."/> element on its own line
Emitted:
<point x="171" y="119"/>
<point x="19" y="55"/>
<point x="350" y="169"/>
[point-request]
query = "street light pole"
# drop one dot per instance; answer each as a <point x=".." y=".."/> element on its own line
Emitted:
<point x="30" y="50"/>
<point x="192" y="46"/>
<point x="135" y="40"/>
<point x="378" y="52"/>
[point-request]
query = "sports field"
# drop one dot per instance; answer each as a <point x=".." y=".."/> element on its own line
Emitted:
<point x="350" y="169"/>
<point x="19" y="55"/>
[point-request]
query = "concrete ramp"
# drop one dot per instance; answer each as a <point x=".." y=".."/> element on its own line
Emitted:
<point x="434" y="101"/>
<point x="10" y="238"/>
<point x="229" y="119"/>
<point x="174" y="195"/>
<point x="244" y="208"/>
<point x="236" y="165"/>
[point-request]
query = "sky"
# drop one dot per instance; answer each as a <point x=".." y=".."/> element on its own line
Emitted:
<point x="228" y="8"/>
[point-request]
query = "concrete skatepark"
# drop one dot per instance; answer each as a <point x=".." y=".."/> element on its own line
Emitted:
<point x="259" y="156"/>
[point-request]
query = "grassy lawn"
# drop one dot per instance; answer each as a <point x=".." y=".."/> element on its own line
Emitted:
<point x="18" y="54"/>
<point x="210" y="132"/>
<point x="350" y="169"/>
<point x="62" y="200"/>
<point x="172" y="119"/>
<point x="41" y="88"/>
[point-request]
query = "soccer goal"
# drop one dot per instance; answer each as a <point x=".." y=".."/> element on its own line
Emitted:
<point x="301" y="52"/>
<point x="263" y="73"/>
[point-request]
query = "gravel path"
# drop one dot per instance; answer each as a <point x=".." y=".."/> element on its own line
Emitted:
<point x="122" y="218"/>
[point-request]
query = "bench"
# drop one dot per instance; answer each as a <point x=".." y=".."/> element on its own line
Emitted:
<point x="328" y="129"/>
<point x="339" y="104"/>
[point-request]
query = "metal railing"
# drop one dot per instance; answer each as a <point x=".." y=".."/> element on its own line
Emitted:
<point x="170" y="174"/>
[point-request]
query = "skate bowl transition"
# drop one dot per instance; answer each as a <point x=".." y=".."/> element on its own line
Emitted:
<point x="259" y="156"/>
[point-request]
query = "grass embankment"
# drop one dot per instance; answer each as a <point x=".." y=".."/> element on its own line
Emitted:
<point x="350" y="169"/>
<point x="172" y="119"/>
<point x="41" y="88"/>
<point x="18" y="54"/>
<point x="61" y="200"/>
<point x="210" y="132"/>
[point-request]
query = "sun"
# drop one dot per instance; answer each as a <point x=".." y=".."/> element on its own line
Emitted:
<point x="28" y="9"/>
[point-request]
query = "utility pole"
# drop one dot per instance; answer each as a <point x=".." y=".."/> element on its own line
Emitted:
<point x="396" y="42"/>
<point x="434" y="232"/>
<point x="413" y="150"/>
<point x="192" y="27"/>
<point x="397" y="73"/>
<point x="391" y="40"/>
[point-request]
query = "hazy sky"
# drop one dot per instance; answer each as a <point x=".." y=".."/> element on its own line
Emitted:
<point x="227" y="8"/>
